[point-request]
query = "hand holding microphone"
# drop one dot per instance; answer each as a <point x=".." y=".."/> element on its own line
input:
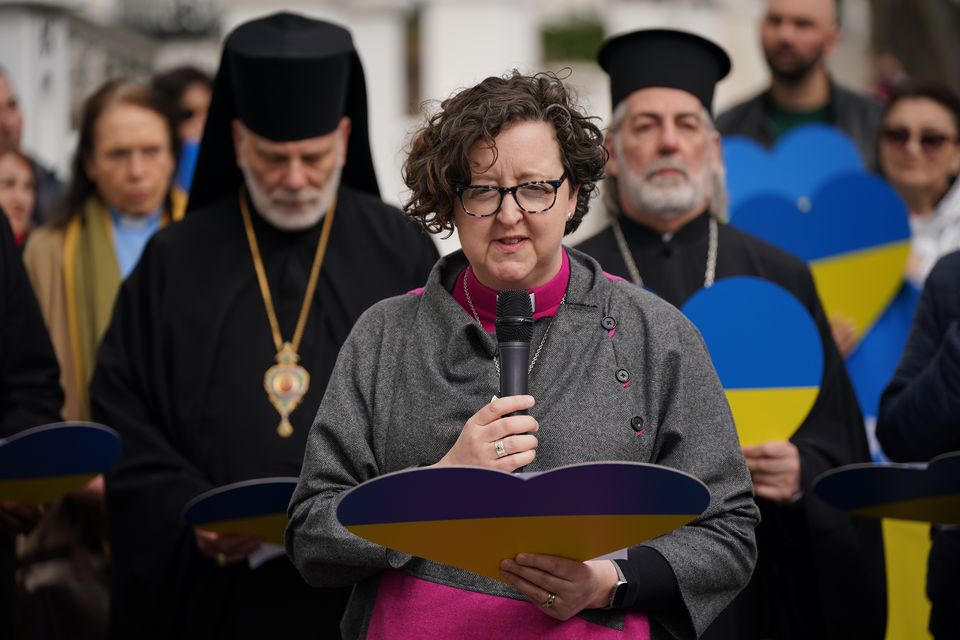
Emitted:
<point x="499" y="421"/>
<point x="500" y="435"/>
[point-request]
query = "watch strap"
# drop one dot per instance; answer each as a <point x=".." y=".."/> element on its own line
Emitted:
<point x="619" y="591"/>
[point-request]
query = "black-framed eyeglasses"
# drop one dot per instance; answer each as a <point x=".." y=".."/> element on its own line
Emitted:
<point x="482" y="201"/>
<point x="930" y="141"/>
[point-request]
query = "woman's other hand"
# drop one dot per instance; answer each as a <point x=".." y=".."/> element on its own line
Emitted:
<point x="844" y="334"/>
<point x="225" y="548"/>
<point x="775" y="469"/>
<point x="489" y="439"/>
<point x="562" y="588"/>
<point x="91" y="493"/>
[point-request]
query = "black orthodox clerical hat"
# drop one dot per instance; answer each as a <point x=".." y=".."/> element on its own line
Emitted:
<point x="287" y="78"/>
<point x="663" y="58"/>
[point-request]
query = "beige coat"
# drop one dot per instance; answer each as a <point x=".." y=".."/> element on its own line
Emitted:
<point x="43" y="257"/>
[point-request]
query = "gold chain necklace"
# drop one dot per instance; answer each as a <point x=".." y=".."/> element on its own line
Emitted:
<point x="286" y="382"/>
<point x="476" y="316"/>
<point x="709" y="275"/>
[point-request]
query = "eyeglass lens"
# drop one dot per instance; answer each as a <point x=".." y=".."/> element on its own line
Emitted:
<point x="930" y="141"/>
<point x="532" y="198"/>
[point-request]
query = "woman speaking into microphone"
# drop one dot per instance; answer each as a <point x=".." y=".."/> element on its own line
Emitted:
<point x="615" y="374"/>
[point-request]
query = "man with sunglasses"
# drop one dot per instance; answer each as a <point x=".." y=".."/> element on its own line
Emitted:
<point x="819" y="572"/>
<point x="797" y="37"/>
<point x="188" y="91"/>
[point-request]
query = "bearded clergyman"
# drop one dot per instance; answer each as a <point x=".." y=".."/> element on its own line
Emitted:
<point x="820" y="572"/>
<point x="224" y="336"/>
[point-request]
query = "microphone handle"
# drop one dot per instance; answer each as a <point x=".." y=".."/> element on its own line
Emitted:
<point x="514" y="365"/>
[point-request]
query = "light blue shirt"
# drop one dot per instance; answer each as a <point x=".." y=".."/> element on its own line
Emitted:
<point x="130" y="235"/>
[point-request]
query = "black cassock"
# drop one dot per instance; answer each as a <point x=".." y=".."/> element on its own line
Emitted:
<point x="30" y="393"/>
<point x="180" y="376"/>
<point x="820" y="573"/>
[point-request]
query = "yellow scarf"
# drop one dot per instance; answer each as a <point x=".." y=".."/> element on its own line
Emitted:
<point x="91" y="282"/>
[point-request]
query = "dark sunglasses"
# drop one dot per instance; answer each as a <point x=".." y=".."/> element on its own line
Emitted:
<point x="930" y="141"/>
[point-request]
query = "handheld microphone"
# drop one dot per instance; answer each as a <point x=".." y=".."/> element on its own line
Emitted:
<point x="514" y="330"/>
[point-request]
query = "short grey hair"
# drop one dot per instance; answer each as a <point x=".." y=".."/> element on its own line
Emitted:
<point x="719" y="199"/>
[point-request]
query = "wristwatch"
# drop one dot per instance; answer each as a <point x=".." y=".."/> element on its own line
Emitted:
<point x="619" y="592"/>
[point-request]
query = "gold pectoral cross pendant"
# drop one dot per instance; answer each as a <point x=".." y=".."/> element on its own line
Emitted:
<point x="286" y="383"/>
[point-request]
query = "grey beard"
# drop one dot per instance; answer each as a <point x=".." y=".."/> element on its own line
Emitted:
<point x="665" y="202"/>
<point x="283" y="219"/>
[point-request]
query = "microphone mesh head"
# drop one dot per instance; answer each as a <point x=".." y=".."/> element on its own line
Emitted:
<point x="514" y="316"/>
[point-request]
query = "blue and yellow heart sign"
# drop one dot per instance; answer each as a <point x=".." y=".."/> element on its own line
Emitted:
<point x="767" y="352"/>
<point x="854" y="234"/>
<point x="472" y="518"/>
<point x="803" y="160"/>
<point x="925" y="492"/>
<point x="45" y="463"/>
<point x="255" y="508"/>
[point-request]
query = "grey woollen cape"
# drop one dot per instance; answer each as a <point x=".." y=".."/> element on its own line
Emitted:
<point x="414" y="369"/>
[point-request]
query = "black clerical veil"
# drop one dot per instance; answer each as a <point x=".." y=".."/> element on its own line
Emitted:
<point x="663" y="58"/>
<point x="286" y="77"/>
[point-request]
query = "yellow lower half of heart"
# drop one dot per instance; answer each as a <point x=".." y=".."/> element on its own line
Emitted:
<point x="34" y="491"/>
<point x="858" y="286"/>
<point x="769" y="414"/>
<point x="939" y="509"/>
<point x="906" y="546"/>
<point x="479" y="544"/>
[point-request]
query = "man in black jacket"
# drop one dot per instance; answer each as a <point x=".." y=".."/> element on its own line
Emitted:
<point x="797" y="36"/>
<point x="920" y="419"/>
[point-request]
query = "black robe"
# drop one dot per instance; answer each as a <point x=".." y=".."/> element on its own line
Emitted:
<point x="30" y="393"/>
<point x="820" y="572"/>
<point x="180" y="376"/>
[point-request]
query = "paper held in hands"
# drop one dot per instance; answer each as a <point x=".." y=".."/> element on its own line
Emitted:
<point x="472" y="518"/>
<point x="924" y="492"/>
<point x="47" y="462"/>
<point x="256" y="508"/>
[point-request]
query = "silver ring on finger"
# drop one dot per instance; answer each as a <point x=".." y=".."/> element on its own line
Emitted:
<point x="551" y="599"/>
<point x="499" y="448"/>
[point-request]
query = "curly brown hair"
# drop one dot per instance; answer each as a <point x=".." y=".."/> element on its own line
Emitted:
<point x="439" y="156"/>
